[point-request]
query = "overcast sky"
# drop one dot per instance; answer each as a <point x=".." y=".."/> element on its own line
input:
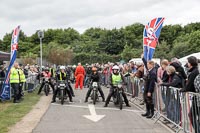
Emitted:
<point x="83" y="14"/>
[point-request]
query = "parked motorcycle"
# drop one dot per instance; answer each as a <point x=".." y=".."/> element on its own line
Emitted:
<point x="117" y="97"/>
<point x="46" y="86"/>
<point x="62" y="92"/>
<point x="94" y="94"/>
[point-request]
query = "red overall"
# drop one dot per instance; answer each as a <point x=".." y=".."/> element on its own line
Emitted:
<point x="79" y="74"/>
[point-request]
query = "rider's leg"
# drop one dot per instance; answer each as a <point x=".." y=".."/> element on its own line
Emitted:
<point x="125" y="99"/>
<point x="101" y="92"/>
<point x="39" y="91"/>
<point x="69" y="94"/>
<point x="54" y="95"/>
<point x="71" y="90"/>
<point x="111" y="92"/>
<point x="88" y="94"/>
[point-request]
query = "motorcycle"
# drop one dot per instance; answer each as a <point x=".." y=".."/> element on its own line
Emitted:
<point x="46" y="86"/>
<point x="62" y="92"/>
<point x="94" y="95"/>
<point x="117" y="97"/>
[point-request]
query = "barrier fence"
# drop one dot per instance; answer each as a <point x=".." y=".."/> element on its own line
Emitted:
<point x="30" y="85"/>
<point x="181" y="109"/>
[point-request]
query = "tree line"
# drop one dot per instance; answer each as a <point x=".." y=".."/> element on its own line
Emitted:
<point x="68" y="46"/>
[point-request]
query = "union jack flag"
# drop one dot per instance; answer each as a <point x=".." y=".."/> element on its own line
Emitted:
<point x="5" y="93"/>
<point x="150" y="37"/>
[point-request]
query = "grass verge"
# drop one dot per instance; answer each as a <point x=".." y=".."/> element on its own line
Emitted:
<point x="11" y="113"/>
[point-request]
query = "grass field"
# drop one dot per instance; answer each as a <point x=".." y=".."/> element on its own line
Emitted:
<point x="11" y="113"/>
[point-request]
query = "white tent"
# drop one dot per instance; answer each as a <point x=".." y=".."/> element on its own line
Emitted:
<point x="184" y="59"/>
<point x="139" y="60"/>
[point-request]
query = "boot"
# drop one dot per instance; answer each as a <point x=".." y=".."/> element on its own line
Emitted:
<point x="147" y="112"/>
<point x="103" y="99"/>
<point x="86" y="100"/>
<point x="71" y="100"/>
<point x="53" y="101"/>
<point x="151" y="112"/>
<point x="106" y="104"/>
<point x="128" y="105"/>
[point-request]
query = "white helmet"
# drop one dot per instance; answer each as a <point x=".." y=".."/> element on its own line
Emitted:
<point x="62" y="67"/>
<point x="115" y="67"/>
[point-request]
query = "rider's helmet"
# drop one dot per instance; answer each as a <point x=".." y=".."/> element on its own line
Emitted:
<point x="115" y="67"/>
<point x="47" y="69"/>
<point x="62" y="67"/>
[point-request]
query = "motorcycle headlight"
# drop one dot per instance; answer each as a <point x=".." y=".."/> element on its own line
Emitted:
<point x="119" y="85"/>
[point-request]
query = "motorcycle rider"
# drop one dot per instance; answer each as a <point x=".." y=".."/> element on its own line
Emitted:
<point x="45" y="74"/>
<point x="115" y="77"/>
<point x="60" y="77"/>
<point x="95" y="77"/>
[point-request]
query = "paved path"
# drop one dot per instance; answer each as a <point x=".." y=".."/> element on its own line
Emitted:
<point x="69" y="118"/>
<point x="30" y="121"/>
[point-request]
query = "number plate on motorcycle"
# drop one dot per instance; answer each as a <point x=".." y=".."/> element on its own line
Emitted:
<point x="94" y="84"/>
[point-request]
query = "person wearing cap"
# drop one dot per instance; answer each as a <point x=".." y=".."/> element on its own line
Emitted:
<point x="60" y="77"/>
<point x="45" y="74"/>
<point x="14" y="81"/>
<point x="95" y="77"/>
<point x="115" y="77"/>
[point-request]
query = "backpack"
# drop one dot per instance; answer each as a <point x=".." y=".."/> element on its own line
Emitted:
<point x="197" y="83"/>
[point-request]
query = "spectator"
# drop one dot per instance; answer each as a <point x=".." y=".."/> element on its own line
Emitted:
<point x="161" y="70"/>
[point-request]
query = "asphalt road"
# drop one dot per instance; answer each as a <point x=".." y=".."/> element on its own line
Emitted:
<point x="71" y="118"/>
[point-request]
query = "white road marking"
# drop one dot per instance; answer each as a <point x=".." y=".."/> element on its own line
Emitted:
<point x="93" y="117"/>
<point x="100" y="108"/>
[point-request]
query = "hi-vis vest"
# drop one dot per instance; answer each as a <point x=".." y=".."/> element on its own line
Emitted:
<point x="22" y="76"/>
<point x="61" y="76"/>
<point x="116" y="79"/>
<point x="52" y="71"/>
<point x="14" y="76"/>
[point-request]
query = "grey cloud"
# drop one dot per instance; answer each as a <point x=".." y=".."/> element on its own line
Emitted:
<point x="83" y="14"/>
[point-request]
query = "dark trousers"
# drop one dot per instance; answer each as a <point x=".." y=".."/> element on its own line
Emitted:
<point x="20" y="90"/>
<point x="70" y="88"/>
<point x="99" y="89"/>
<point x="42" y="85"/>
<point x="15" y="87"/>
<point x="149" y="102"/>
<point x="111" y="93"/>
<point x="58" y="89"/>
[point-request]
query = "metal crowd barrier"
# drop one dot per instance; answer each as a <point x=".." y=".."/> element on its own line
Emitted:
<point x="31" y="83"/>
<point x="181" y="109"/>
<point x="134" y="88"/>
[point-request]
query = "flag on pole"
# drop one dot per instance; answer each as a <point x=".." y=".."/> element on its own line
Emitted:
<point x="6" y="91"/>
<point x="150" y="37"/>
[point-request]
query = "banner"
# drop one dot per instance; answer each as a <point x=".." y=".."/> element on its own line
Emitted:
<point x="6" y="91"/>
<point x="150" y="37"/>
